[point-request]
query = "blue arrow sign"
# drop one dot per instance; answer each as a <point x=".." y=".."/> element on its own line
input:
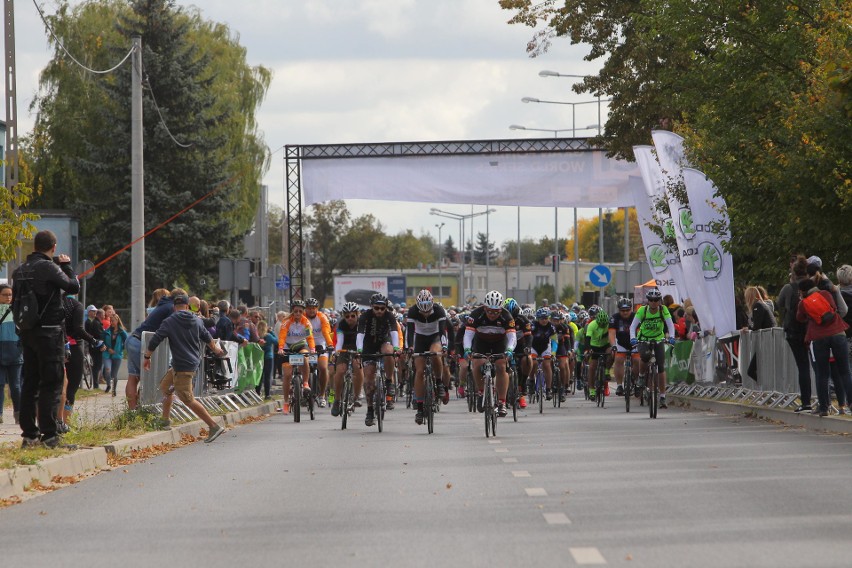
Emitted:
<point x="283" y="283"/>
<point x="600" y="276"/>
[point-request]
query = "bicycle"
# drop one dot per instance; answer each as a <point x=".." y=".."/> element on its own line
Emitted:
<point x="313" y="381"/>
<point x="600" y="379"/>
<point x="489" y="391"/>
<point x="512" y="395"/>
<point x="296" y="360"/>
<point x="652" y="386"/>
<point x="379" y="398"/>
<point x="347" y="399"/>
<point x="629" y="383"/>
<point x="430" y="401"/>
<point x="538" y="386"/>
<point x="557" y="383"/>
<point x="88" y="378"/>
<point x="572" y="383"/>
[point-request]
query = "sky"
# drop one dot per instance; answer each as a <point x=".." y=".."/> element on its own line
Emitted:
<point x="348" y="71"/>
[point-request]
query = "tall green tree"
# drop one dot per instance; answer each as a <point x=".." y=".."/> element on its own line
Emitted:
<point x="484" y="249"/>
<point x="200" y="135"/>
<point x="449" y="249"/>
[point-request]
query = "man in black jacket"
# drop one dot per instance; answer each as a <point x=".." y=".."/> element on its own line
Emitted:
<point x="44" y="346"/>
<point x="95" y="327"/>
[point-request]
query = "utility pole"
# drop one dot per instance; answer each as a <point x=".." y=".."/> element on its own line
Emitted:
<point x="11" y="153"/>
<point x="137" y="190"/>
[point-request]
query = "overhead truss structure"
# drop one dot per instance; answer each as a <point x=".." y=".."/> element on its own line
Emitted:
<point x="293" y="156"/>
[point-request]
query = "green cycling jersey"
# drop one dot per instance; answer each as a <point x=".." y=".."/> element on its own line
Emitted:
<point x="597" y="336"/>
<point x="652" y="326"/>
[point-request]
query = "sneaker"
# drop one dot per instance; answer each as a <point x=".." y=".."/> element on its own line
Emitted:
<point x="62" y="427"/>
<point x="164" y="424"/>
<point x="548" y="396"/>
<point x="619" y="391"/>
<point x="30" y="443"/>
<point x="823" y="412"/>
<point x="389" y="403"/>
<point x="321" y="402"/>
<point x="55" y="442"/>
<point x="501" y="409"/>
<point x="522" y="402"/>
<point x="803" y="408"/>
<point x="370" y="419"/>
<point x="357" y="403"/>
<point x="306" y="391"/>
<point x="606" y="389"/>
<point x="592" y="393"/>
<point x="418" y="418"/>
<point x="335" y="408"/>
<point x="843" y="410"/>
<point x="637" y="391"/>
<point x="663" y="402"/>
<point x="113" y="392"/>
<point x="215" y="432"/>
<point x="391" y="390"/>
<point x="17" y="416"/>
<point x="480" y="402"/>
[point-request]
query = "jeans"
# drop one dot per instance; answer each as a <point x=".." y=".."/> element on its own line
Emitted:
<point x="821" y="350"/>
<point x="74" y="370"/>
<point x="800" y="354"/>
<point x="266" y="380"/>
<point x="111" y="368"/>
<point x="44" y="362"/>
<point x="11" y="375"/>
<point x="97" y="364"/>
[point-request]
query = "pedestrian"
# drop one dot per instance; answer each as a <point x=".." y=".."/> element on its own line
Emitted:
<point x="114" y="340"/>
<point x="77" y="335"/>
<point x="94" y="327"/>
<point x="49" y="278"/>
<point x="11" y="354"/>
<point x="758" y="312"/>
<point x="270" y="346"/>
<point x="186" y="335"/>
<point x="156" y="296"/>
<point x="794" y="330"/>
<point x="826" y="336"/>
<point x="844" y="278"/>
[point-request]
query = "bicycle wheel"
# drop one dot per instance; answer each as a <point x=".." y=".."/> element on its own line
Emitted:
<point x="312" y="382"/>
<point x="654" y="399"/>
<point x="488" y="407"/>
<point x="296" y="405"/>
<point x="493" y="411"/>
<point x="557" y="388"/>
<point x="513" y="393"/>
<point x="600" y="383"/>
<point x="628" y="391"/>
<point x="345" y="400"/>
<point x="470" y="391"/>
<point x="409" y="387"/>
<point x="379" y="401"/>
<point x="429" y="404"/>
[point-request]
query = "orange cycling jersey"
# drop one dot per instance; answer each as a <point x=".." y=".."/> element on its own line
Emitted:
<point x="321" y="330"/>
<point x="295" y="330"/>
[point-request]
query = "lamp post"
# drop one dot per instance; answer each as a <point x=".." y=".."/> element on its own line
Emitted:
<point x="461" y="219"/>
<point x="546" y="73"/>
<point x="440" y="261"/>
<point x="555" y="131"/>
<point x="573" y="112"/>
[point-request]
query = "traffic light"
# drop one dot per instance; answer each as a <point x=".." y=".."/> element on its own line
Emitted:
<point x="554" y="262"/>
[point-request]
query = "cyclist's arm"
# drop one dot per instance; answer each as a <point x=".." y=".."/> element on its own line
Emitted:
<point x="469" y="332"/>
<point x="635" y="325"/>
<point x="326" y="329"/>
<point x="511" y="340"/>
<point x="670" y="326"/>
<point x="394" y="335"/>
<point x="310" y="330"/>
<point x="339" y="343"/>
<point x="282" y="334"/>
<point x="409" y="331"/>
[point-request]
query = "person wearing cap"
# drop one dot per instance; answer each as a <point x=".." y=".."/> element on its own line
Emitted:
<point x="186" y="335"/>
<point x="93" y="327"/>
<point x="822" y="282"/>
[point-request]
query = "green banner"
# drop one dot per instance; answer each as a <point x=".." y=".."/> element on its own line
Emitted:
<point x="249" y="367"/>
<point x="677" y="362"/>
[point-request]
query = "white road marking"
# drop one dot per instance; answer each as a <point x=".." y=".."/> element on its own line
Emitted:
<point x="536" y="492"/>
<point x="495" y="441"/>
<point x="556" y="519"/>
<point x="521" y="474"/>
<point x="589" y="555"/>
<point x="501" y="450"/>
<point x="510" y="460"/>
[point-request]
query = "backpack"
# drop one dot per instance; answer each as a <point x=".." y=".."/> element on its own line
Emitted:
<point x="818" y="308"/>
<point x="25" y="303"/>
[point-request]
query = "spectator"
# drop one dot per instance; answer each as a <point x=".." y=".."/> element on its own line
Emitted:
<point x="74" y="365"/>
<point x="693" y="327"/>
<point x="739" y="310"/>
<point x="95" y="328"/>
<point x="44" y="346"/>
<point x="269" y="341"/>
<point x="758" y="312"/>
<point x="11" y="354"/>
<point x="794" y="330"/>
<point x="844" y="277"/>
<point x="823" y="283"/>
<point x="156" y="296"/>
<point x="245" y="327"/>
<point x="825" y="338"/>
<point x="226" y="328"/>
<point x="114" y="339"/>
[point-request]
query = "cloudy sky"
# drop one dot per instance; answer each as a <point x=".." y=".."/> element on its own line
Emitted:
<point x="378" y="71"/>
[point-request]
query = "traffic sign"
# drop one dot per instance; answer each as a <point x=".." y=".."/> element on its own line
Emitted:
<point x="283" y="283"/>
<point x="600" y="276"/>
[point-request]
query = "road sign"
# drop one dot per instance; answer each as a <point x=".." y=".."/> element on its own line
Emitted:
<point x="283" y="283"/>
<point x="600" y="276"/>
<point x="86" y="266"/>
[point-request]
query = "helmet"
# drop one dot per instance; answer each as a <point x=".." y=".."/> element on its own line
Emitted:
<point x="332" y="321"/>
<point x="378" y="300"/>
<point x="654" y="294"/>
<point x="455" y="321"/>
<point x="511" y="305"/>
<point x="625" y="304"/>
<point x="528" y="313"/>
<point x="583" y="316"/>
<point x="593" y="311"/>
<point x="297" y="304"/>
<point x="425" y="301"/>
<point x="312" y="303"/>
<point x="493" y="300"/>
<point x="542" y="313"/>
<point x="602" y="319"/>
<point x="572" y="317"/>
<point x="557" y="315"/>
<point x="349" y="307"/>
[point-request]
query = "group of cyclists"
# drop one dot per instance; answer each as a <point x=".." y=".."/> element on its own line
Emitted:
<point x="572" y="342"/>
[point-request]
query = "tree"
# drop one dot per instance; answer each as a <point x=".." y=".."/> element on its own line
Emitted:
<point x="532" y="252"/>
<point x="484" y="250"/>
<point x="196" y="78"/>
<point x="14" y="223"/>
<point x="613" y="238"/>
<point x="450" y="251"/>
<point x="759" y="90"/>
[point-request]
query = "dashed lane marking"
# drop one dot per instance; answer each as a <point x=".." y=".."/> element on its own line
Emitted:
<point x="510" y="460"/>
<point x="536" y="492"/>
<point x="501" y="450"/>
<point x="587" y="556"/>
<point x="521" y="474"/>
<point x="556" y="519"/>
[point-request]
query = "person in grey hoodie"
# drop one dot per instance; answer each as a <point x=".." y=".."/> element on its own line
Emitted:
<point x="187" y="336"/>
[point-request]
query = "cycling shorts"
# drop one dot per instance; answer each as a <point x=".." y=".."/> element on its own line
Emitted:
<point x="562" y="352"/>
<point x="533" y="353"/>
<point x="488" y="347"/>
<point x="423" y="343"/>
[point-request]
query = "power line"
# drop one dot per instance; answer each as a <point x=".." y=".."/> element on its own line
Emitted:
<point x="68" y="53"/>
<point x="147" y="85"/>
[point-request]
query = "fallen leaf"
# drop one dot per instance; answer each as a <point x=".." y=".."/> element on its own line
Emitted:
<point x="42" y="513"/>
<point x="449" y="485"/>
<point x="629" y="557"/>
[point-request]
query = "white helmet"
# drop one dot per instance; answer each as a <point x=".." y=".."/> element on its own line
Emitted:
<point x="493" y="300"/>
<point x="425" y="301"/>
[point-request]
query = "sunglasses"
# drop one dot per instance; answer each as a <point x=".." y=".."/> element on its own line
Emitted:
<point x="649" y="301"/>
<point x="379" y="308"/>
<point x="492" y="312"/>
<point x="628" y="309"/>
<point x="351" y="316"/>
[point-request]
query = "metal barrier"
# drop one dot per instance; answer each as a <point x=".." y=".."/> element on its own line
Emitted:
<point x="776" y="367"/>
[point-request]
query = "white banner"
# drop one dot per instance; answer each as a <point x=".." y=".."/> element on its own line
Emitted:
<point x="569" y="179"/>
<point x="665" y="263"/>
<point x="717" y="266"/>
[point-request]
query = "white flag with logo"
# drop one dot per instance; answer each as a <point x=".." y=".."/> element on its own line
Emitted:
<point x="669" y="148"/>
<point x="664" y="263"/>
<point x="717" y="267"/>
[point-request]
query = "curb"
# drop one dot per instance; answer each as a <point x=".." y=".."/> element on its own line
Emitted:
<point x="833" y="424"/>
<point x="13" y="482"/>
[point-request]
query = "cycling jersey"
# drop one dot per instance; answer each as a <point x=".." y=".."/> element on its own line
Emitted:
<point x="374" y="331"/>
<point x="651" y="326"/>
<point x="579" y="340"/>
<point x="294" y="331"/>
<point x="346" y="335"/>
<point x="622" y="330"/>
<point x="432" y="325"/>
<point x="597" y="336"/>
<point x="523" y="332"/>
<point x="565" y="338"/>
<point x="493" y="333"/>
<point x="321" y="329"/>
<point x="543" y="337"/>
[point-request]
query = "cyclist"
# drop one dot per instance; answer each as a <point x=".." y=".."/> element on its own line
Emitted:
<point x="544" y="343"/>
<point x="523" y="343"/>
<point x="323" y="339"/>
<point x="564" y="347"/>
<point x="457" y="351"/>
<point x="653" y="322"/>
<point x="296" y="336"/>
<point x="491" y="329"/>
<point x="597" y="345"/>
<point x="619" y="338"/>
<point x="377" y="333"/>
<point x="426" y="330"/>
<point x="579" y="342"/>
<point x="347" y="331"/>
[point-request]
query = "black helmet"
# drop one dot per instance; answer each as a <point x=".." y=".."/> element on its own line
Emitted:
<point x="312" y="303"/>
<point x="378" y="300"/>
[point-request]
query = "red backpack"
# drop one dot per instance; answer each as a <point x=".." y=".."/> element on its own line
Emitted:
<point x="818" y="308"/>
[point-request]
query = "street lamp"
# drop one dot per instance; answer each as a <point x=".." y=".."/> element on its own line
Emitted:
<point x="573" y="110"/>
<point x="440" y="261"/>
<point x="555" y="131"/>
<point x="461" y="219"/>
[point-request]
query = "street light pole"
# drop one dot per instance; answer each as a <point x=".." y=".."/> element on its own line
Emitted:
<point x="440" y="262"/>
<point x="461" y="219"/>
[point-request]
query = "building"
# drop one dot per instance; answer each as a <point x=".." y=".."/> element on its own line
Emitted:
<point x="64" y="225"/>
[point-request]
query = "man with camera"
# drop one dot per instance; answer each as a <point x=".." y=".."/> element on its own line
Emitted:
<point x="44" y="342"/>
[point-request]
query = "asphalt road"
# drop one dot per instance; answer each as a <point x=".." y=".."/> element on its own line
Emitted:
<point x="575" y="486"/>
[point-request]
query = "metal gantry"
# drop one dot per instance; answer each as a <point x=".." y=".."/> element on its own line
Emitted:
<point x="293" y="156"/>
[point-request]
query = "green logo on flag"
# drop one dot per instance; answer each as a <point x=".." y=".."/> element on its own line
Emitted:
<point x="711" y="260"/>
<point x="687" y="226"/>
<point x="657" y="258"/>
<point x="668" y="228"/>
